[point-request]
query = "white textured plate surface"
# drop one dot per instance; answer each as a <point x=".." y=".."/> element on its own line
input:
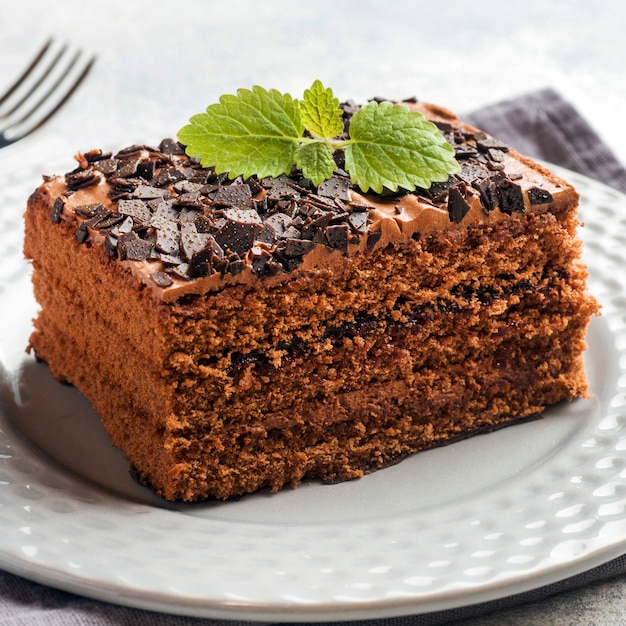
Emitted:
<point x="491" y="516"/>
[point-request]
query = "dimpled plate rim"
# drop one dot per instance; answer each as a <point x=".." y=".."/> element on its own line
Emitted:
<point x="559" y="518"/>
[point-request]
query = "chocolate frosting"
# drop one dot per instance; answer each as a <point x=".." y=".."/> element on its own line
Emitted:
<point x="182" y="229"/>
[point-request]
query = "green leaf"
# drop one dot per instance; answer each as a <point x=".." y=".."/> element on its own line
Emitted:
<point x="254" y="132"/>
<point x="316" y="161"/>
<point x="320" y="112"/>
<point x="391" y="146"/>
<point x="260" y="132"/>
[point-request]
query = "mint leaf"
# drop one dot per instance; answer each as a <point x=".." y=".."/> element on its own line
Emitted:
<point x="316" y="161"/>
<point x="320" y="112"/>
<point x="255" y="132"/>
<point x="260" y="132"/>
<point x="391" y="146"/>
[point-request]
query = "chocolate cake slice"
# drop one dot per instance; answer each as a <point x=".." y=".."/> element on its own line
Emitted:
<point x="235" y="335"/>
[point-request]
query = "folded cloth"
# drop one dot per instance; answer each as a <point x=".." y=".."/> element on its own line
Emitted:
<point x="544" y="126"/>
<point x="541" y="125"/>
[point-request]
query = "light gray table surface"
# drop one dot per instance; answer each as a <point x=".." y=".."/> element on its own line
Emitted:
<point x="158" y="63"/>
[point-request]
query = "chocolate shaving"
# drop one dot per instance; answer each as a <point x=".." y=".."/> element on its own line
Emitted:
<point x="130" y="247"/>
<point x="57" y="210"/>
<point x="338" y="236"/>
<point x="192" y="222"/>
<point x="239" y="229"/>
<point x="135" y="208"/>
<point x="536" y="195"/>
<point x="235" y="196"/>
<point x="458" y="206"/>
<point x="511" y="197"/>
<point x="335" y="188"/>
<point x="82" y="233"/>
<point x="161" y="279"/>
<point x="79" y="179"/>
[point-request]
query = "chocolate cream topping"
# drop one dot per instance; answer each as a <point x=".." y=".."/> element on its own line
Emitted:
<point x="182" y="229"/>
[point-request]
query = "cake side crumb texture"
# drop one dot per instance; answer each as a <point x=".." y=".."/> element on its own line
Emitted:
<point x="238" y="335"/>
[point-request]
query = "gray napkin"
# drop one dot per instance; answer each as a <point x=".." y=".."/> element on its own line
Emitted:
<point x="541" y="125"/>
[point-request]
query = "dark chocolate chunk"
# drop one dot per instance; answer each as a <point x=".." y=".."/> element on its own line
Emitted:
<point x="96" y="155"/>
<point x="79" y="179"/>
<point x="486" y="143"/>
<point x="255" y="186"/>
<point x="442" y="126"/>
<point x="96" y="213"/>
<point x="90" y="210"/>
<point x="320" y="220"/>
<point x="167" y="176"/>
<point x="268" y="235"/>
<point x="278" y="190"/>
<point x="168" y="237"/>
<point x="337" y="236"/>
<point x="188" y="199"/>
<point x="358" y="221"/>
<point x="161" y="279"/>
<point x="239" y="229"/>
<point x="437" y="189"/>
<point x="320" y="237"/>
<point x="458" y="206"/>
<point x="57" y="210"/>
<point x="536" y="195"/>
<point x="127" y="169"/>
<point x="82" y="233"/>
<point x="106" y="166"/>
<point x="496" y="155"/>
<point x="147" y="192"/>
<point x="168" y="259"/>
<point x="191" y="241"/>
<point x="203" y="223"/>
<point x="236" y="267"/>
<point x="110" y="246"/>
<point x="130" y="152"/>
<point x="335" y="188"/>
<point x="201" y="250"/>
<point x="135" y="208"/>
<point x="109" y="220"/>
<point x="182" y="270"/>
<point x="260" y="257"/>
<point x="465" y="151"/>
<point x="162" y="211"/>
<point x="132" y="248"/>
<point x="171" y="146"/>
<point x="339" y="218"/>
<point x="511" y="197"/>
<point x="234" y="195"/>
<point x="489" y="197"/>
<point x="187" y="186"/>
<point x="146" y="168"/>
<point x="125" y="227"/>
<point x="123" y="187"/>
<point x="372" y="239"/>
<point x="298" y="247"/>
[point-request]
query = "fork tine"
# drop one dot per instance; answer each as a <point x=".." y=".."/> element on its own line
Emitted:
<point x="72" y="88"/>
<point x="27" y="72"/>
<point x="33" y="88"/>
<point x="51" y="90"/>
<point x="67" y="78"/>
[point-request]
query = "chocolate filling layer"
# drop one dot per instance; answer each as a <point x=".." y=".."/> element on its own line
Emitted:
<point x="366" y="324"/>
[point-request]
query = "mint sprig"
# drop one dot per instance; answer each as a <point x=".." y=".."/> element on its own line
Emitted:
<point x="260" y="132"/>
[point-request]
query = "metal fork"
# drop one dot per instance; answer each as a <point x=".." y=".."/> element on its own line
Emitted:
<point x="41" y="90"/>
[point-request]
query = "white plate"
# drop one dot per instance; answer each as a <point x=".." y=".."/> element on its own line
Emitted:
<point x="481" y="519"/>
